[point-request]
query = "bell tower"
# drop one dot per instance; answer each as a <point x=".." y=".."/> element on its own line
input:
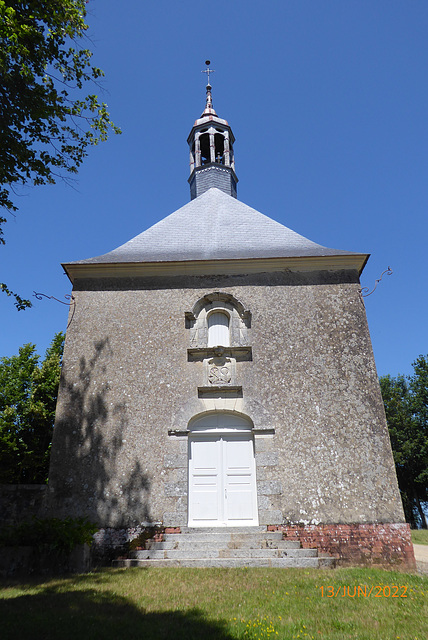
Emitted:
<point x="212" y="162"/>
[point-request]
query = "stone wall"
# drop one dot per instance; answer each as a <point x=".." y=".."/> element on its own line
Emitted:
<point x="25" y="561"/>
<point x="21" y="502"/>
<point x="129" y="389"/>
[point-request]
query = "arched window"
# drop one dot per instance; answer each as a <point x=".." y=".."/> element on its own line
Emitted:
<point x="233" y="329"/>
<point x="218" y="329"/>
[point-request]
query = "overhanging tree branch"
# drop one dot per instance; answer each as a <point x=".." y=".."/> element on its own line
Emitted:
<point x="46" y="127"/>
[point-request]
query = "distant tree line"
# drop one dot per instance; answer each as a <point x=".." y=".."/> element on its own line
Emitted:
<point x="28" y="394"/>
<point x="406" y="407"/>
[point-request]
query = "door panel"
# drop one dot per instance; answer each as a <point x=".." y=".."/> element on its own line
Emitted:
<point x="240" y="483"/>
<point x="204" y="479"/>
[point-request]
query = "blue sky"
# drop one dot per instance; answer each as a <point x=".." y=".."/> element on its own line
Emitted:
<point x="328" y="101"/>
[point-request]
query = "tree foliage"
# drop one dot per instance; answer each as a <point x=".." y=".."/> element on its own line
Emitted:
<point x="406" y="407"/>
<point x="28" y="394"/>
<point x="45" y="127"/>
<point x="46" y="124"/>
<point x="20" y="303"/>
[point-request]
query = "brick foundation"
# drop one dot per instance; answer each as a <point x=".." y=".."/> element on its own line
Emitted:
<point x="172" y="530"/>
<point x="356" y="544"/>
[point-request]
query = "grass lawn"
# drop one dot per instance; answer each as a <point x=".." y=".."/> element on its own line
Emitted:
<point x="217" y="604"/>
<point x="419" y="536"/>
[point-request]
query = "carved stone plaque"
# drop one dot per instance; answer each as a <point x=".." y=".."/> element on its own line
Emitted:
<point x="219" y="371"/>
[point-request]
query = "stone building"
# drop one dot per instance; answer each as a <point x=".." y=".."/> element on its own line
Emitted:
<point x="218" y="371"/>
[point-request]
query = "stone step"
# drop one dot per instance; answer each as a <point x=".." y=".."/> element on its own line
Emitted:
<point x="216" y="530"/>
<point x="217" y="547"/>
<point x="284" y="563"/>
<point x="223" y="537"/>
<point x="248" y="543"/>
<point x="268" y="553"/>
<point x="158" y="554"/>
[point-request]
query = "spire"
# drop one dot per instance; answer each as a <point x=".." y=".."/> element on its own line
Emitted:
<point x="212" y="162"/>
<point x="209" y="109"/>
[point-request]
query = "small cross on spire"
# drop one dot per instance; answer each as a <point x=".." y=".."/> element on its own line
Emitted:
<point x="208" y="70"/>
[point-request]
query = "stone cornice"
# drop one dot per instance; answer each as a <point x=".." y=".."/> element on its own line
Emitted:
<point x="350" y="262"/>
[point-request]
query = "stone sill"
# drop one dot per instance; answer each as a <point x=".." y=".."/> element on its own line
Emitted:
<point x="201" y="353"/>
<point x="220" y="391"/>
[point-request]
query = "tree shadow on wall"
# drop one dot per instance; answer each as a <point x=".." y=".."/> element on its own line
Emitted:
<point x="91" y="472"/>
<point x="91" y="614"/>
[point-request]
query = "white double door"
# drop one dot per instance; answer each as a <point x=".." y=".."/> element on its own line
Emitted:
<point x="222" y="480"/>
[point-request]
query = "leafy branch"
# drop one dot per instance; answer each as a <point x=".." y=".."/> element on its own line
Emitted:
<point x="46" y="126"/>
<point x="20" y="303"/>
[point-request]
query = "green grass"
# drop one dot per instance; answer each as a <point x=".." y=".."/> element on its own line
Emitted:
<point x="217" y="604"/>
<point x="419" y="536"/>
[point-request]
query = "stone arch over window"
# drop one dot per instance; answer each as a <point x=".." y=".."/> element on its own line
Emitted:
<point x="214" y="305"/>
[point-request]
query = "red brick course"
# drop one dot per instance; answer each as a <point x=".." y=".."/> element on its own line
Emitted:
<point x="172" y="530"/>
<point x="356" y="544"/>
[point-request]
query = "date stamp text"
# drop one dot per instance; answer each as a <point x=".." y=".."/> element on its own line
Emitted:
<point x="364" y="591"/>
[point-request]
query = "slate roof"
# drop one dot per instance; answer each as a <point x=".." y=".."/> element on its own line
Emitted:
<point x="214" y="226"/>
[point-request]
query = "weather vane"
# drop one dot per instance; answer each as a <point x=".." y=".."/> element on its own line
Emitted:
<point x="208" y="70"/>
